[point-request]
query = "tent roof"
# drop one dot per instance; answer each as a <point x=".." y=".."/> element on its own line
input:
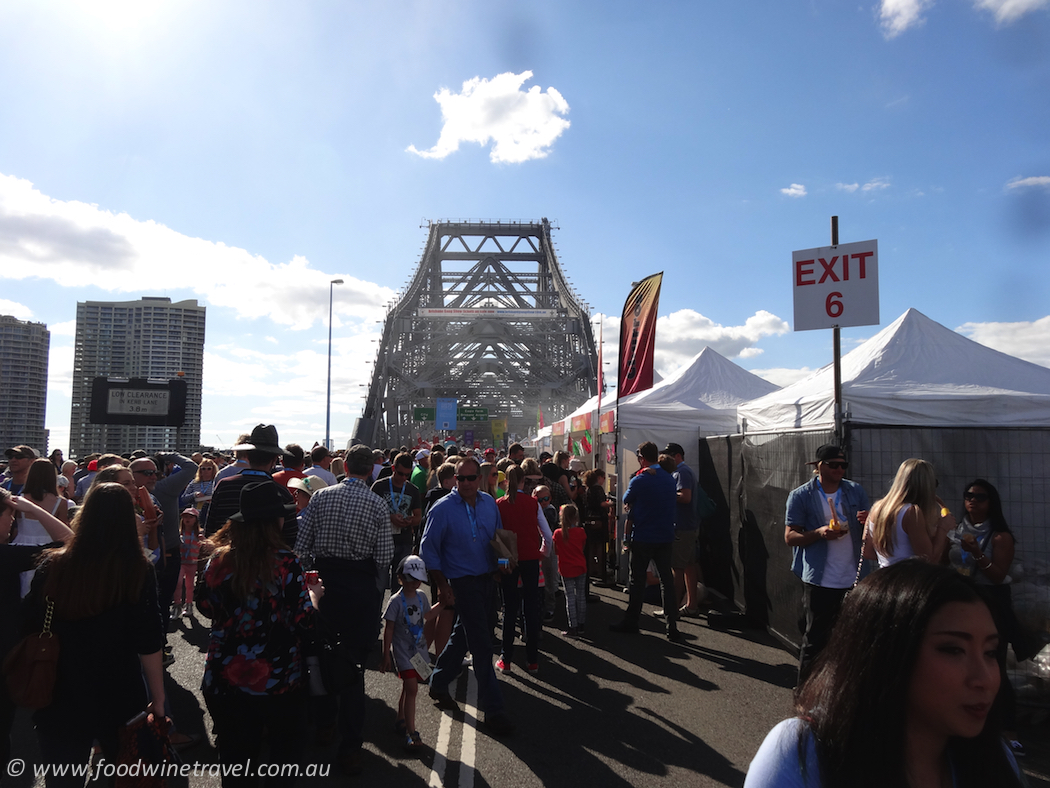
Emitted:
<point x="915" y="372"/>
<point x="709" y="381"/>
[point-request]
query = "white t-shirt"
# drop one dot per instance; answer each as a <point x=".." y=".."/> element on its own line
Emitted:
<point x="841" y="568"/>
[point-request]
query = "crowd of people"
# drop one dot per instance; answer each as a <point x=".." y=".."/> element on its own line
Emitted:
<point x="288" y="555"/>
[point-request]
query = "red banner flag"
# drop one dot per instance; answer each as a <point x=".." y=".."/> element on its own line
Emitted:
<point x="638" y="337"/>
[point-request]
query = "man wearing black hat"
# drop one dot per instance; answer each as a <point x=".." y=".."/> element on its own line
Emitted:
<point x="261" y="452"/>
<point x="820" y="514"/>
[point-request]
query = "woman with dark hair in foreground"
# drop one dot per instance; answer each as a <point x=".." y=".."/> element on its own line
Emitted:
<point x="108" y="622"/>
<point x="903" y="695"/>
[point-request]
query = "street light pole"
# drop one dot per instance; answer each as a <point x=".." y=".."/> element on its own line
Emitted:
<point x="328" y="398"/>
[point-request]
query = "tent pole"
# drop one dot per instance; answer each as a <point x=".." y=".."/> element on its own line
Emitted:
<point x="836" y="340"/>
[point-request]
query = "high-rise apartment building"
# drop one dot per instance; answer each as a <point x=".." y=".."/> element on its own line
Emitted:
<point x="152" y="338"/>
<point x="24" y="351"/>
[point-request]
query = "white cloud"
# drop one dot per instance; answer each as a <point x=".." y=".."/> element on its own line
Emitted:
<point x="847" y="187"/>
<point x="1007" y="11"/>
<point x="682" y="334"/>
<point x="896" y="16"/>
<point x="1025" y="340"/>
<point x="1033" y="182"/>
<point x="794" y="190"/>
<point x="783" y="376"/>
<point x="15" y="309"/>
<point x="876" y="184"/>
<point x="66" y="329"/>
<point x="76" y="244"/>
<point x="521" y="124"/>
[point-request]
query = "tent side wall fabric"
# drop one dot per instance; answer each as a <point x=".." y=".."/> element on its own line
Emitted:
<point x="755" y="473"/>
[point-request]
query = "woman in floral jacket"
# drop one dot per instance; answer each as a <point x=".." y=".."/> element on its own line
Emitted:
<point x="261" y="611"/>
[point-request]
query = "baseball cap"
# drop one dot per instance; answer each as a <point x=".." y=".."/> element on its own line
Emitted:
<point x="27" y="452"/>
<point x="413" y="566"/>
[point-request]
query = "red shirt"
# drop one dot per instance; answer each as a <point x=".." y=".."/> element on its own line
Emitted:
<point x="522" y="517"/>
<point x="569" y="544"/>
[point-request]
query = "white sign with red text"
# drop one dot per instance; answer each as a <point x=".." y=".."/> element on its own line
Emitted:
<point x="836" y="286"/>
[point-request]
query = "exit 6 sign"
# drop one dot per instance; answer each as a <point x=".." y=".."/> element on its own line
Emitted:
<point x="836" y="286"/>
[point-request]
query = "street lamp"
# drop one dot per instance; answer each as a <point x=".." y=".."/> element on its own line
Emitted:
<point x="328" y="399"/>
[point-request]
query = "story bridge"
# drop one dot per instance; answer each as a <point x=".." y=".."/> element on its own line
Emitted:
<point x="488" y="318"/>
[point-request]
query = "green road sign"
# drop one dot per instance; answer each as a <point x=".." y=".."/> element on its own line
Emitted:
<point x="423" y="414"/>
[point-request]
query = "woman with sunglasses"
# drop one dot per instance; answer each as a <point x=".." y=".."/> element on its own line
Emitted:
<point x="197" y="494"/>
<point x="911" y="520"/>
<point x="982" y="547"/>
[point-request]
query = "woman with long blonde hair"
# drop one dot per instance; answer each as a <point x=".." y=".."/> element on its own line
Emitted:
<point x="910" y="522"/>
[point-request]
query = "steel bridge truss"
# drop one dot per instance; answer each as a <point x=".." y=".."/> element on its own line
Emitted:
<point x="489" y="319"/>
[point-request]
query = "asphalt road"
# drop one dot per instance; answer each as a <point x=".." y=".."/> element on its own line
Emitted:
<point x="610" y="710"/>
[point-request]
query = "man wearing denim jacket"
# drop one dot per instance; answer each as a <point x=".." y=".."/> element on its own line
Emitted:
<point x="824" y="529"/>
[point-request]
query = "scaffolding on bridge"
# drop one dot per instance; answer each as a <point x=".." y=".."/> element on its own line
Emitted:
<point x="489" y="319"/>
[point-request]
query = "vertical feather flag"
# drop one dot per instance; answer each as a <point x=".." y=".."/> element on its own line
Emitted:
<point x="638" y="337"/>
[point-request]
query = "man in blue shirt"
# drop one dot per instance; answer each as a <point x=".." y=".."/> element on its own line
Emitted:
<point x="824" y="529"/>
<point x="651" y="496"/>
<point x="458" y="553"/>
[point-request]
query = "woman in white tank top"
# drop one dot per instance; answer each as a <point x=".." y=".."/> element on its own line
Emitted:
<point x="911" y="520"/>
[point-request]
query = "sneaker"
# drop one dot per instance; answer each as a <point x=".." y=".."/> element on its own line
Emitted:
<point x="413" y="742"/>
<point x="169" y="657"/>
<point x="686" y="612"/>
<point x="572" y="633"/>
<point x="661" y="613"/>
<point x="502" y="665"/>
<point x="1017" y="748"/>
<point x="533" y="668"/>
<point x="675" y="636"/>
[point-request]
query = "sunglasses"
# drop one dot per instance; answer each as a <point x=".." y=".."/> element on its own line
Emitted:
<point x="975" y="497"/>
<point x="837" y="466"/>
<point x="544" y="499"/>
<point x="147" y="473"/>
<point x="467" y="478"/>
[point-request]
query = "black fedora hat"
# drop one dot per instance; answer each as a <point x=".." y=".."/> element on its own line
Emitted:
<point x="263" y="501"/>
<point x="263" y="438"/>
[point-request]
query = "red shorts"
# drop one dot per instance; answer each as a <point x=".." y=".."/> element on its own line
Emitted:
<point x="409" y="674"/>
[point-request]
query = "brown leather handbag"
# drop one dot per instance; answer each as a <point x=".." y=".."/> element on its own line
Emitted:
<point x="32" y="666"/>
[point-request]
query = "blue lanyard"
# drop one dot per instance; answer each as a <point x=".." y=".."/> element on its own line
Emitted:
<point x="837" y="504"/>
<point x="396" y="508"/>
<point x="473" y="517"/>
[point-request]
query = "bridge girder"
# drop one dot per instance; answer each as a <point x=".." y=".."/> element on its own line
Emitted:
<point x="487" y="318"/>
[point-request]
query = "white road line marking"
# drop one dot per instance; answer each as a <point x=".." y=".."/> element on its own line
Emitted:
<point x="467" y="749"/>
<point x="437" y="772"/>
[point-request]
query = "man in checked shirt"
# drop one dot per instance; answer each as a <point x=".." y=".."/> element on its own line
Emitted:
<point x="345" y="535"/>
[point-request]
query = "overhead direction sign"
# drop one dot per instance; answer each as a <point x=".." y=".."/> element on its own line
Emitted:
<point x="836" y="286"/>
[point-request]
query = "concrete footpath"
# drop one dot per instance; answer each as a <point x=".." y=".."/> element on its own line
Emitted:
<point x="609" y="710"/>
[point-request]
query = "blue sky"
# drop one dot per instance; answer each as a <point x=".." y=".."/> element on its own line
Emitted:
<point x="244" y="154"/>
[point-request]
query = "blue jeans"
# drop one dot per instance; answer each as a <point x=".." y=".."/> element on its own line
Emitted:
<point x="660" y="554"/>
<point x="513" y="598"/>
<point x="350" y="606"/>
<point x="471" y="633"/>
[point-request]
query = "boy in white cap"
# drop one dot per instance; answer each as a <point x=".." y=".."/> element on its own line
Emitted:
<point x="406" y="612"/>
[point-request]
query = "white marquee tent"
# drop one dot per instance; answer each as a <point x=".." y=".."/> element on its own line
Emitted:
<point x="915" y="372"/>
